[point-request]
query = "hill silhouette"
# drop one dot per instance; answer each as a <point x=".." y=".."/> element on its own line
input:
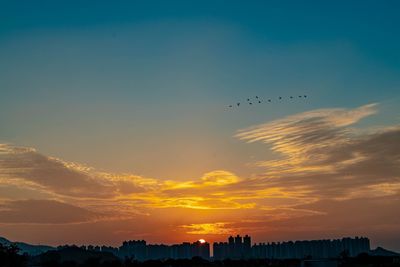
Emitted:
<point x="30" y="249"/>
<point x="380" y="251"/>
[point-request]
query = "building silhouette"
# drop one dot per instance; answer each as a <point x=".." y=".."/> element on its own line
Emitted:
<point x="134" y="248"/>
<point x="246" y="249"/>
<point x="316" y="249"/>
<point x="139" y="250"/>
<point x="238" y="247"/>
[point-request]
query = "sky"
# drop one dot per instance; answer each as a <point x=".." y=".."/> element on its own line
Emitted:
<point x="115" y="121"/>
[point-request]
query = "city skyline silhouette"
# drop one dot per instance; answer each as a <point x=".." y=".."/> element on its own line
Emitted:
<point x="183" y="123"/>
<point x="235" y="248"/>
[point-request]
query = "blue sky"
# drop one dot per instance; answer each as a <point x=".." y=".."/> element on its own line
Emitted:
<point x="82" y="80"/>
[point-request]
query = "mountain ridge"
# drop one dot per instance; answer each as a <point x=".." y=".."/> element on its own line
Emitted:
<point x="30" y="249"/>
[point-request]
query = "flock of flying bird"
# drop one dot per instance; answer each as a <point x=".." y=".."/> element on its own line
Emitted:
<point x="258" y="100"/>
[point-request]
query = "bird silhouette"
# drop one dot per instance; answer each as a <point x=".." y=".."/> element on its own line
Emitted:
<point x="258" y="100"/>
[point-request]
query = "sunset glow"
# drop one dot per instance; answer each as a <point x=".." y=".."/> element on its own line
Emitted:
<point x="177" y="122"/>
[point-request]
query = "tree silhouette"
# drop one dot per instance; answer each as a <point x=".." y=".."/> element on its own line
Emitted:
<point x="9" y="256"/>
<point x="345" y="254"/>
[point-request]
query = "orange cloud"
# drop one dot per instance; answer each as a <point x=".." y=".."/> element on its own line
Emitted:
<point x="218" y="228"/>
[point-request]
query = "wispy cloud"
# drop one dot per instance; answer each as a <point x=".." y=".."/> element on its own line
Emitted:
<point x="320" y="153"/>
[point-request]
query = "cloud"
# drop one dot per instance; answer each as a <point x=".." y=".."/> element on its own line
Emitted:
<point x="122" y="195"/>
<point x="44" y="212"/>
<point x="320" y="154"/>
<point x="218" y="228"/>
<point x="219" y="178"/>
<point x="218" y="190"/>
<point x="25" y="166"/>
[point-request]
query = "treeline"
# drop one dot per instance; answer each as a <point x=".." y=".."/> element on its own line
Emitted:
<point x="76" y="257"/>
<point x="9" y="257"/>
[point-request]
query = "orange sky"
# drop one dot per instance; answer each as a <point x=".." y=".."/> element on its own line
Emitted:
<point x="329" y="178"/>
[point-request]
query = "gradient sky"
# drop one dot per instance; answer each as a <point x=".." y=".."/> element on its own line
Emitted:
<point x="114" y="122"/>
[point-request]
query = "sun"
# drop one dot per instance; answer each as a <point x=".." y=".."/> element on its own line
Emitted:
<point x="202" y="241"/>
